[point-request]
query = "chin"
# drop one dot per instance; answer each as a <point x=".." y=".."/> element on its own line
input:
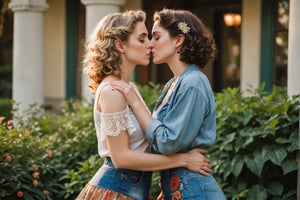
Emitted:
<point x="145" y="64"/>
<point x="156" y="61"/>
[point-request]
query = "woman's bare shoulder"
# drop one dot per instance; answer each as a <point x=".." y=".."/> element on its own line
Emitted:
<point x="111" y="101"/>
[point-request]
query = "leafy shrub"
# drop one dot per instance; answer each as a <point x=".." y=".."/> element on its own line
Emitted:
<point x="39" y="151"/>
<point x="52" y="156"/>
<point x="5" y="107"/>
<point x="257" y="139"/>
<point x="24" y="162"/>
<point x="5" y="82"/>
<point x="150" y="93"/>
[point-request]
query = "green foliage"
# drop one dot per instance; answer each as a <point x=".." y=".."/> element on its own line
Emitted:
<point x="80" y="176"/>
<point x="150" y="93"/>
<point x="5" y="107"/>
<point x="57" y="145"/>
<point x="254" y="155"/>
<point x="5" y="82"/>
<point x="52" y="156"/>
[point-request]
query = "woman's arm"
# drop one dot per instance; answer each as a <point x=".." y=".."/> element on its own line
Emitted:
<point x="123" y="157"/>
<point x="133" y="100"/>
<point x="179" y="129"/>
<point x="181" y="124"/>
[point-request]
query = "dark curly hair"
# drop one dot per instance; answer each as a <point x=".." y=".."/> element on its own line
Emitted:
<point x="199" y="45"/>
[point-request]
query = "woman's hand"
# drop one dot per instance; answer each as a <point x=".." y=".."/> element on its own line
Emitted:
<point x="197" y="162"/>
<point x="135" y="101"/>
<point x="126" y="89"/>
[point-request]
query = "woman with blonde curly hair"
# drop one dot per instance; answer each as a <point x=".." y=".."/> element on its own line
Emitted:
<point x="184" y="116"/>
<point x="120" y="43"/>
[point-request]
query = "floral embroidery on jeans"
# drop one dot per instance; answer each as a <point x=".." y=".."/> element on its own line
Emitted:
<point x="176" y="187"/>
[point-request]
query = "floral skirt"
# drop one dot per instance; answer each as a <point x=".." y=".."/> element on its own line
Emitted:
<point x="90" y="192"/>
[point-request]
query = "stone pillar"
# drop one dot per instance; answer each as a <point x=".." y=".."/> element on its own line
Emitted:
<point x="250" y="44"/>
<point x="294" y="49"/>
<point x="95" y="11"/>
<point x="294" y="64"/>
<point x="28" y="52"/>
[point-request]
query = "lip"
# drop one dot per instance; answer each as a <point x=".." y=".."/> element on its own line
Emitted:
<point x="149" y="54"/>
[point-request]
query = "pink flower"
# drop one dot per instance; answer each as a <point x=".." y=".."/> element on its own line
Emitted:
<point x="8" y="158"/>
<point x="20" y="194"/>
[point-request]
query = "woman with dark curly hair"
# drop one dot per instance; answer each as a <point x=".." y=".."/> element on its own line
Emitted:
<point x="184" y="116"/>
<point x="120" y="43"/>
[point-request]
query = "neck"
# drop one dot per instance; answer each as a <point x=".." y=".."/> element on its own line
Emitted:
<point x="127" y="71"/>
<point x="177" y="68"/>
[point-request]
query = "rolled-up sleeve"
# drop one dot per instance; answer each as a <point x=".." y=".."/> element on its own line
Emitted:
<point x="181" y="124"/>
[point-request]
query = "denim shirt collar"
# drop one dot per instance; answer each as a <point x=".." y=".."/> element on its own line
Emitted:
<point x="190" y="68"/>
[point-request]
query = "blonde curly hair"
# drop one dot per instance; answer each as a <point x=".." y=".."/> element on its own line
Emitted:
<point x="101" y="57"/>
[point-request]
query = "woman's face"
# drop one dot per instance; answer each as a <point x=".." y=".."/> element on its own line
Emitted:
<point x="164" y="47"/>
<point x="137" y="49"/>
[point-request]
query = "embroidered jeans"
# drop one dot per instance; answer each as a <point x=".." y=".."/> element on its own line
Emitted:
<point x="181" y="183"/>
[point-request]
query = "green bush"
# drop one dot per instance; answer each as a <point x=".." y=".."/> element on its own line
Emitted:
<point x="38" y="153"/>
<point x="150" y="93"/>
<point x="52" y="156"/>
<point x="5" y="82"/>
<point x="257" y="139"/>
<point x="5" y="107"/>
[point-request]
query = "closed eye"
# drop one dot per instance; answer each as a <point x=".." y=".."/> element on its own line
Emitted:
<point x="156" y="38"/>
<point x="142" y="38"/>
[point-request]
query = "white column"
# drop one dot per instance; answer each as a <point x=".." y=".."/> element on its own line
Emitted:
<point x="294" y="64"/>
<point x="294" y="49"/>
<point x="28" y="52"/>
<point x="95" y="11"/>
<point x="250" y="43"/>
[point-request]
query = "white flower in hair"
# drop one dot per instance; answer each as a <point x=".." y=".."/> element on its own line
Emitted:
<point x="183" y="27"/>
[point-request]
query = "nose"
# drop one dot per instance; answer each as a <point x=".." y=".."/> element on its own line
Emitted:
<point x="150" y="45"/>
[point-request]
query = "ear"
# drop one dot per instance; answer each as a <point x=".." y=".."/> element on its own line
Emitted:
<point x="119" y="46"/>
<point x="179" y="40"/>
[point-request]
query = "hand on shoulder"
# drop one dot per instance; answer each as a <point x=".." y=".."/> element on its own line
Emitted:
<point x="111" y="101"/>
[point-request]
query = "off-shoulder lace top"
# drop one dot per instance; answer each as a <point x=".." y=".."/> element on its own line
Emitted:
<point x="111" y="124"/>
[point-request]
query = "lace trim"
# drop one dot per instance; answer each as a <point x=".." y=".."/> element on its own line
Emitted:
<point x="113" y="123"/>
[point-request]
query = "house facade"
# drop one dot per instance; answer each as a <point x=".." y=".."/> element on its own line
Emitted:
<point x="48" y="44"/>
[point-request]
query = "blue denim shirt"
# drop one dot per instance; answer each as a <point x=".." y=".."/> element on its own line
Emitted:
<point x="188" y="118"/>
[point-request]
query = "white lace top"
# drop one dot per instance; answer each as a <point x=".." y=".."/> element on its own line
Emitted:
<point x="113" y="123"/>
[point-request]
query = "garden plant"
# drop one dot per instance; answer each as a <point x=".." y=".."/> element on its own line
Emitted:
<point x="52" y="156"/>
